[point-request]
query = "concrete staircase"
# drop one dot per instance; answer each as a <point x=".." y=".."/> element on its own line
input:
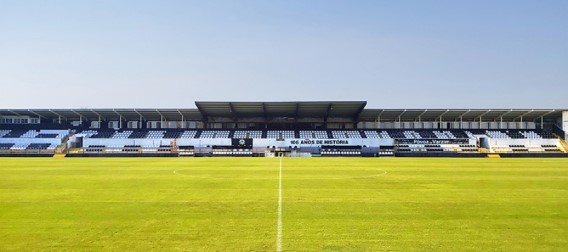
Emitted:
<point x="564" y="144"/>
<point x="61" y="150"/>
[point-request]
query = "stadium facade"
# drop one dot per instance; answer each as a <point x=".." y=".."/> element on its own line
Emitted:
<point x="326" y="128"/>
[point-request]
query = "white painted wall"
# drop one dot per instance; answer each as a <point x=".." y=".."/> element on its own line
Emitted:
<point x="526" y="142"/>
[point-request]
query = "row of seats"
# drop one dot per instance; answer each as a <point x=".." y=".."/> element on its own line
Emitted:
<point x="340" y="153"/>
<point x="424" y="134"/>
<point x="102" y="134"/>
<point x="15" y="134"/>
<point x="189" y="134"/>
<point x="436" y="148"/>
<point x="549" y="146"/>
<point x="122" y="134"/>
<point x="455" y="134"/>
<point x="95" y="148"/>
<point x="314" y="134"/>
<point x="525" y="148"/>
<point x="89" y="133"/>
<point x="280" y="134"/>
<point x="156" y="134"/>
<point x="39" y="146"/>
<point x="497" y="134"/>
<point x="33" y="133"/>
<point x="444" y="134"/>
<point x="372" y="134"/>
<point x="4" y="132"/>
<point x="27" y="146"/>
<point x="283" y="134"/>
<point x="416" y="134"/>
<point x="131" y="148"/>
<point x="232" y="152"/>
<point x="128" y="148"/>
<point x="519" y="134"/>
<point x="215" y="134"/>
<point x="6" y="146"/>
<point x="139" y="134"/>
<point x="247" y="134"/>
<point x="172" y="134"/>
<point x="346" y="134"/>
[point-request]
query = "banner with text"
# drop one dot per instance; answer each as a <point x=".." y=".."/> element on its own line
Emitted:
<point x="322" y="142"/>
<point x="433" y="141"/>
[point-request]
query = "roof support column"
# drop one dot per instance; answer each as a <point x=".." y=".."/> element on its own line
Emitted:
<point x="565" y="122"/>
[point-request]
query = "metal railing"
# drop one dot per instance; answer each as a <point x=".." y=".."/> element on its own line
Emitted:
<point x="558" y="131"/>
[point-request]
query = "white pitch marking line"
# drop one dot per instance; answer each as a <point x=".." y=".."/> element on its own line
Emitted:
<point x="372" y="176"/>
<point x="279" y="225"/>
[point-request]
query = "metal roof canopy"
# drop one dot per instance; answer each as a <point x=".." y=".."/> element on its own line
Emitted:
<point x="342" y="109"/>
<point x="107" y="114"/>
<point x="486" y="115"/>
<point x="319" y="109"/>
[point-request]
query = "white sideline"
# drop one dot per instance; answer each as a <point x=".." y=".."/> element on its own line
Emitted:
<point x="279" y="225"/>
<point x="383" y="172"/>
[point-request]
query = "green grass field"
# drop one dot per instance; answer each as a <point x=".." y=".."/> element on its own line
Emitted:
<point x="329" y="204"/>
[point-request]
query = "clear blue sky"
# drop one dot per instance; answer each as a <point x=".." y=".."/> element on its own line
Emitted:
<point x="394" y="54"/>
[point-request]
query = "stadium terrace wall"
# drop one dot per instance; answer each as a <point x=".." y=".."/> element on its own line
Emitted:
<point x="47" y="155"/>
<point x="533" y="155"/>
<point x="530" y="142"/>
<point x="441" y="154"/>
<point x="122" y="155"/>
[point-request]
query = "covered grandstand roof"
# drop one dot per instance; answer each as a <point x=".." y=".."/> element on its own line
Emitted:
<point x="322" y="109"/>
<point x="338" y="109"/>
<point x="458" y="114"/>
<point x="107" y="114"/>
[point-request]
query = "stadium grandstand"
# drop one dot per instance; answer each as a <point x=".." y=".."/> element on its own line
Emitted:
<point x="326" y="128"/>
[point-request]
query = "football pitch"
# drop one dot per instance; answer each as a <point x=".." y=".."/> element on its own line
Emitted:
<point x="327" y="204"/>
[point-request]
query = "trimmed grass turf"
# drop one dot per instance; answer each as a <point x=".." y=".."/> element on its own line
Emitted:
<point x="329" y="204"/>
